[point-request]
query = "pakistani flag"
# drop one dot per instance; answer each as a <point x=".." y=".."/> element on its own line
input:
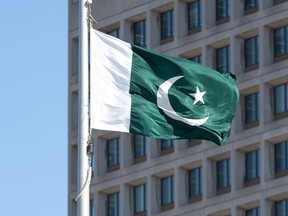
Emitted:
<point x="143" y="92"/>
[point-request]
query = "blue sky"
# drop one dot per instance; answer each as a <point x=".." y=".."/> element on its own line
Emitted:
<point x="33" y="123"/>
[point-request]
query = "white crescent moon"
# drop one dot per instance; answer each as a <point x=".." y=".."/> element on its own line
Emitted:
<point x="163" y="103"/>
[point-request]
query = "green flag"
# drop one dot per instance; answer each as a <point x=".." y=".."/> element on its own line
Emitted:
<point x="143" y="92"/>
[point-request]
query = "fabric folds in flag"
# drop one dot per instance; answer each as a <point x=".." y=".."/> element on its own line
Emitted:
<point x="139" y="91"/>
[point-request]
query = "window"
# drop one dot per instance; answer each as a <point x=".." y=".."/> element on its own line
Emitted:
<point x="74" y="56"/>
<point x="281" y="208"/>
<point x="167" y="30"/>
<point x="281" y="158"/>
<point x="195" y="184"/>
<point x="281" y="99"/>
<point x="278" y="1"/>
<point x="93" y="163"/>
<point x="251" y="4"/>
<point x="194" y="142"/>
<point x="196" y="59"/>
<point x="281" y="41"/>
<point x="139" y="147"/>
<point x="222" y="10"/>
<point x="223" y="175"/>
<point x="113" y="204"/>
<point x="91" y="211"/>
<point x="140" y="33"/>
<point x="223" y="59"/>
<point x="252" y="166"/>
<point x="252" y="108"/>
<point x="253" y="212"/>
<point x="251" y="51"/>
<point x="113" y="154"/>
<point x="167" y="146"/>
<point x="194" y="16"/>
<point x="74" y="110"/>
<point x="114" y="33"/>
<point x="167" y="192"/>
<point x="140" y="199"/>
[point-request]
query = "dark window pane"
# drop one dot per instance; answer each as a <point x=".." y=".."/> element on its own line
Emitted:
<point x="258" y="163"/>
<point x="286" y="98"/>
<point x="140" y="33"/>
<point x="249" y="4"/>
<point x="253" y="212"/>
<point x="281" y="156"/>
<point x="113" y="152"/>
<point x="281" y="208"/>
<point x="252" y="165"/>
<point x="91" y="210"/>
<point x="194" y="14"/>
<point x="166" y="24"/>
<point x="113" y="204"/>
<point x="195" y="182"/>
<point x="280" y="41"/>
<point x="223" y="59"/>
<point x="286" y="39"/>
<point x="223" y="174"/>
<point x="196" y="59"/>
<point x="167" y="190"/>
<point x="140" y="198"/>
<point x="280" y="95"/>
<point x="114" y="33"/>
<point x="222" y="9"/>
<point x="251" y="51"/>
<point x="252" y="107"/>
<point x="139" y="146"/>
<point x="166" y="144"/>
<point x="74" y="110"/>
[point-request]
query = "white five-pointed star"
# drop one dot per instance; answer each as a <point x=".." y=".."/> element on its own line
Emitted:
<point x="198" y="96"/>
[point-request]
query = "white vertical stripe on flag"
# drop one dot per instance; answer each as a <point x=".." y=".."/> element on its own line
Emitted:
<point x="110" y="65"/>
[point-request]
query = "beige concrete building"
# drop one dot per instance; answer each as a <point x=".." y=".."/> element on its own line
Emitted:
<point x="134" y="175"/>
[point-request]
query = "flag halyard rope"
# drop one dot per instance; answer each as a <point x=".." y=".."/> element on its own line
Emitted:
<point x="90" y="17"/>
<point x="89" y="171"/>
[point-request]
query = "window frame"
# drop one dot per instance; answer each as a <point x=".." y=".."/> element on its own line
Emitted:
<point x="167" y="35"/>
<point x="113" y="166"/>
<point x="114" y="32"/>
<point x="169" y="149"/>
<point x="278" y="56"/>
<point x="197" y="27"/>
<point x="91" y="207"/>
<point x="117" y="203"/>
<point x="284" y="171"/>
<point x="252" y="9"/>
<point x="285" y="201"/>
<point x="256" y="211"/>
<point x="170" y="204"/>
<point x="198" y="195"/>
<point x="255" y="154"/>
<point x="74" y="98"/>
<point x="141" y="212"/>
<point x="225" y="188"/>
<point x="255" y="58"/>
<point x="226" y="50"/>
<point x="197" y="59"/>
<point x="143" y="156"/>
<point x="255" y="110"/>
<point x="222" y="19"/>
<point x="284" y="98"/>
<point x="143" y="27"/>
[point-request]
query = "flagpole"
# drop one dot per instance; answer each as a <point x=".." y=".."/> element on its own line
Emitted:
<point x="83" y="116"/>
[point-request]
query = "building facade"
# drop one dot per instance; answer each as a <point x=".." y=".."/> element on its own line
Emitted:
<point x="136" y="175"/>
